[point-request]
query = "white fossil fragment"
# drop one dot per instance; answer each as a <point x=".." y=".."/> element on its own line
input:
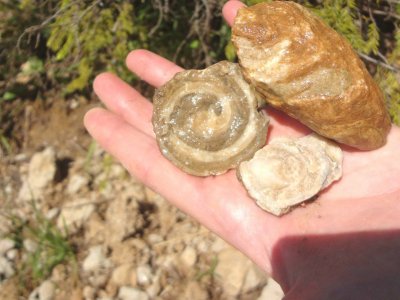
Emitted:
<point x="289" y="171"/>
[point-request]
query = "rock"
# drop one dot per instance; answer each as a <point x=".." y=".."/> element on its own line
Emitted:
<point x="5" y="225"/>
<point x="194" y="291"/>
<point x="154" y="238"/>
<point x="75" y="214"/>
<point x="88" y="293"/>
<point x="144" y="275"/>
<point x="272" y="291"/>
<point x="76" y="183"/>
<point x="254" y="279"/>
<point x="30" y="245"/>
<point x="130" y="293"/>
<point x="188" y="256"/>
<point x="46" y="290"/>
<point x="99" y="278"/>
<point x="95" y="229"/>
<point x="122" y="274"/>
<point x="41" y="172"/>
<point x="76" y="294"/>
<point x="153" y="290"/>
<point x="96" y="259"/>
<point x="122" y="215"/>
<point x="5" y="245"/>
<point x="6" y="269"/>
<point x="231" y="271"/>
<point x="12" y="254"/>
<point x="52" y="213"/>
<point x="8" y="290"/>
<point x="59" y="273"/>
<point x="310" y="72"/>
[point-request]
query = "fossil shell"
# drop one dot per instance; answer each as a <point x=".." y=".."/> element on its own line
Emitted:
<point x="206" y="121"/>
<point x="289" y="171"/>
<point x="309" y="71"/>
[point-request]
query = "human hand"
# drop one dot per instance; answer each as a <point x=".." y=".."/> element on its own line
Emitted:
<point x="294" y="247"/>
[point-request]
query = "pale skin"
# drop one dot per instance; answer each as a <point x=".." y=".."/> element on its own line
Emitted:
<point x="336" y="247"/>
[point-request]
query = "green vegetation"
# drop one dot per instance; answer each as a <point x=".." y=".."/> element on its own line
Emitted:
<point x="65" y="43"/>
<point x="51" y="247"/>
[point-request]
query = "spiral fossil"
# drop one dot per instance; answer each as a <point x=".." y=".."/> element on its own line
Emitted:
<point x="289" y="171"/>
<point x="206" y="121"/>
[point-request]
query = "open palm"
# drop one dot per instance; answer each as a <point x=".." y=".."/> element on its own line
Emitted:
<point x="369" y="186"/>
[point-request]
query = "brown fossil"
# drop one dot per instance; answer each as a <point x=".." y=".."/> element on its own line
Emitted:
<point x="206" y="121"/>
<point x="309" y="71"/>
<point x="289" y="171"/>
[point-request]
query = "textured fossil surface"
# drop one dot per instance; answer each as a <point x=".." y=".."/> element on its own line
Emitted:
<point x="206" y="121"/>
<point x="289" y="171"/>
<point x="309" y="71"/>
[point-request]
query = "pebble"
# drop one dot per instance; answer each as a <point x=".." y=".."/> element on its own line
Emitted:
<point x="193" y="291"/>
<point x="6" y="269"/>
<point x="44" y="292"/>
<point x="52" y="213"/>
<point x="143" y="275"/>
<point x="75" y="215"/>
<point x="76" y="183"/>
<point x="41" y="172"/>
<point x="154" y="238"/>
<point x="12" y="254"/>
<point x="96" y="259"/>
<point x="130" y="293"/>
<point x="5" y="245"/>
<point x="231" y="271"/>
<point x="254" y="279"/>
<point x="88" y="293"/>
<point x="272" y="291"/>
<point x="30" y="245"/>
<point x="189" y="256"/>
<point x="122" y="274"/>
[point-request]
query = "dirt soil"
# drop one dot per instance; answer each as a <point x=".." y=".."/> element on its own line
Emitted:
<point x="127" y="241"/>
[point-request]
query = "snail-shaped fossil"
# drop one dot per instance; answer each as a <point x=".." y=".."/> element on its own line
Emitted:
<point x="289" y="171"/>
<point x="303" y="67"/>
<point x="206" y="121"/>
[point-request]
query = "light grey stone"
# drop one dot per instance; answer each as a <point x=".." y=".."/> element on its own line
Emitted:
<point x="75" y="214"/>
<point x="41" y="171"/>
<point x="47" y="290"/>
<point x="52" y="213"/>
<point x="96" y="260"/>
<point x="6" y="268"/>
<point x="76" y="183"/>
<point x="122" y="274"/>
<point x="30" y="245"/>
<point x="130" y="293"/>
<point x="272" y="291"/>
<point x="144" y="275"/>
<point x="231" y="271"/>
<point x="12" y="254"/>
<point x="189" y="256"/>
<point x="5" y="245"/>
<point x="254" y="279"/>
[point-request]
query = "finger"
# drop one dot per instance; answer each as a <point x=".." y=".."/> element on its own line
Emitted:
<point x="230" y="10"/>
<point x="151" y="67"/>
<point x="125" y="101"/>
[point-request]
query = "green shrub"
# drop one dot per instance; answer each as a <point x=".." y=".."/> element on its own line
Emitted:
<point x="77" y="39"/>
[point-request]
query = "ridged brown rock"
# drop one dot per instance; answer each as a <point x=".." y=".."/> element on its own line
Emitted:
<point x="304" y="68"/>
<point x="206" y="121"/>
